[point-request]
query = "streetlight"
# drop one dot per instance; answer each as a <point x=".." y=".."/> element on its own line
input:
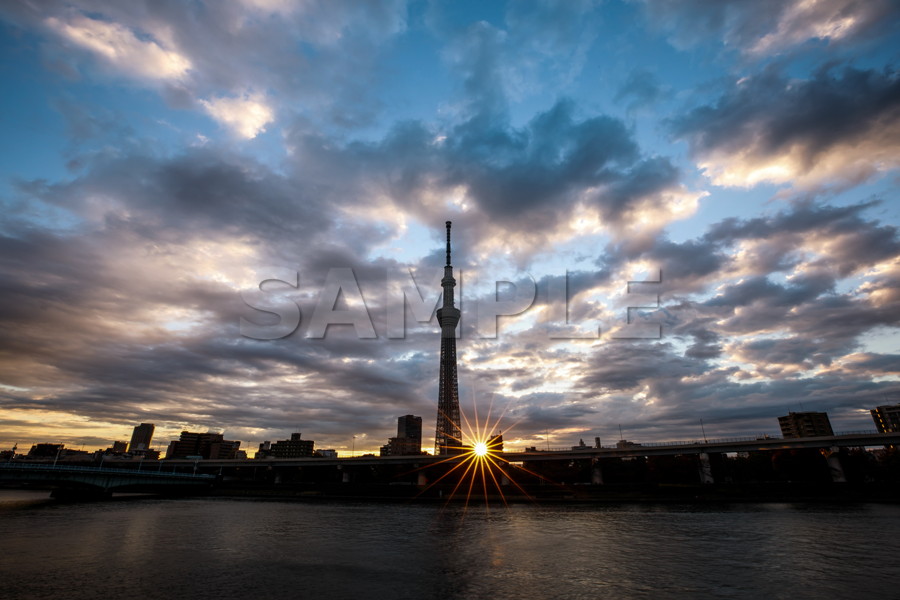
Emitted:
<point x="353" y="446"/>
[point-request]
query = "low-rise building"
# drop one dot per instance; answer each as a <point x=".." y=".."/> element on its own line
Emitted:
<point x="292" y="448"/>
<point x="210" y="446"/>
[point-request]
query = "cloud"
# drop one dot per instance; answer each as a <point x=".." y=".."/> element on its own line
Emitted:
<point x="832" y="129"/>
<point x="641" y="88"/>
<point x="770" y="26"/>
<point x="120" y="283"/>
<point x="311" y="58"/>
<point x="537" y="43"/>
<point x="829" y="20"/>
<point x="119" y="47"/>
<point x="247" y="115"/>
<point x="540" y="179"/>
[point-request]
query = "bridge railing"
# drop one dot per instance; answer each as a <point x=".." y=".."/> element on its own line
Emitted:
<point x="756" y="438"/>
<point x="101" y="470"/>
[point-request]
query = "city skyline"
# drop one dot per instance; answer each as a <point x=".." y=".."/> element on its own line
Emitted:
<point x="159" y="161"/>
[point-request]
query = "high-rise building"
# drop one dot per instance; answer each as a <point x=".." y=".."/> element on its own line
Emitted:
<point x="805" y="424"/>
<point x="141" y="437"/>
<point x="211" y="446"/>
<point x="408" y="440"/>
<point x="448" y="436"/>
<point x="887" y="418"/>
<point x="409" y="427"/>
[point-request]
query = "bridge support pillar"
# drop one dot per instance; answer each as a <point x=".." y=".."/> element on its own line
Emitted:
<point x="833" y="458"/>
<point x="706" y="475"/>
<point x="596" y="472"/>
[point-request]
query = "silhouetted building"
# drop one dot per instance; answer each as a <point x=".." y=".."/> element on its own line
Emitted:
<point x="626" y="444"/>
<point x="46" y="450"/>
<point x="805" y="424"/>
<point x="292" y="448"/>
<point x="408" y="440"/>
<point x="409" y="427"/>
<point x="210" y="446"/>
<point x="448" y="436"/>
<point x="141" y="437"/>
<point x="887" y="418"/>
<point x="117" y="448"/>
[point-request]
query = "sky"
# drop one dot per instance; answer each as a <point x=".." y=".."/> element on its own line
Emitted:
<point x="229" y="216"/>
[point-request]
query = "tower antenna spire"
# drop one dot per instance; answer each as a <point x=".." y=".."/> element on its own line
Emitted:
<point x="448" y="242"/>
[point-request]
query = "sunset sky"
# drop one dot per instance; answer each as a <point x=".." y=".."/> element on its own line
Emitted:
<point x="160" y="159"/>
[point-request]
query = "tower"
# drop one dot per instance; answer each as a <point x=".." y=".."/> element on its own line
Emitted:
<point x="448" y="437"/>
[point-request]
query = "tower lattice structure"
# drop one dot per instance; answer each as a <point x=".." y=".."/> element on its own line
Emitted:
<point x="448" y="436"/>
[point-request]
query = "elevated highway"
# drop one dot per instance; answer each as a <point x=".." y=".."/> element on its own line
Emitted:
<point x="845" y="440"/>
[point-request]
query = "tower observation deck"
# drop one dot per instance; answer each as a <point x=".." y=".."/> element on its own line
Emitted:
<point x="448" y="437"/>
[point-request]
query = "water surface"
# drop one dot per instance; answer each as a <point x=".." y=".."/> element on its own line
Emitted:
<point x="224" y="548"/>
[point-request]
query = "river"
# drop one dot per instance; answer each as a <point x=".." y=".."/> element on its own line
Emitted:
<point x="147" y="548"/>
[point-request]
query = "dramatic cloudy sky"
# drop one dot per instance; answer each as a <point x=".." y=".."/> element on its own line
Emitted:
<point x="161" y="159"/>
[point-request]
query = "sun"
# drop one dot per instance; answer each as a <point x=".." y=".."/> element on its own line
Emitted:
<point x="480" y="449"/>
<point x="476" y="466"/>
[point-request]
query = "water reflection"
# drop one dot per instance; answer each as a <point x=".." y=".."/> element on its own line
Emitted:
<point x="209" y="548"/>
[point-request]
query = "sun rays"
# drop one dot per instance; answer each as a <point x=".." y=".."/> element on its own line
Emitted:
<point x="476" y="466"/>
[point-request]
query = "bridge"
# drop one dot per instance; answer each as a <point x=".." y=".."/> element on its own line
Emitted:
<point x="861" y="439"/>
<point x="867" y="439"/>
<point x="71" y="481"/>
<point x="183" y="475"/>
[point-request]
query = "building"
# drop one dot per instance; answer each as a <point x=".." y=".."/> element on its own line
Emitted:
<point x="448" y="434"/>
<point x="805" y="424"/>
<point x="409" y="438"/>
<point x="141" y="437"/>
<point x="409" y="427"/>
<point x="887" y="418"/>
<point x="118" y="447"/>
<point x="211" y="446"/>
<point x="47" y="451"/>
<point x="292" y="448"/>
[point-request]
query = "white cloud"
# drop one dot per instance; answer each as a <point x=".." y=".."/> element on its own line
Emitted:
<point x="848" y="162"/>
<point x="121" y="48"/>
<point x="246" y="115"/>
<point x="813" y="19"/>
